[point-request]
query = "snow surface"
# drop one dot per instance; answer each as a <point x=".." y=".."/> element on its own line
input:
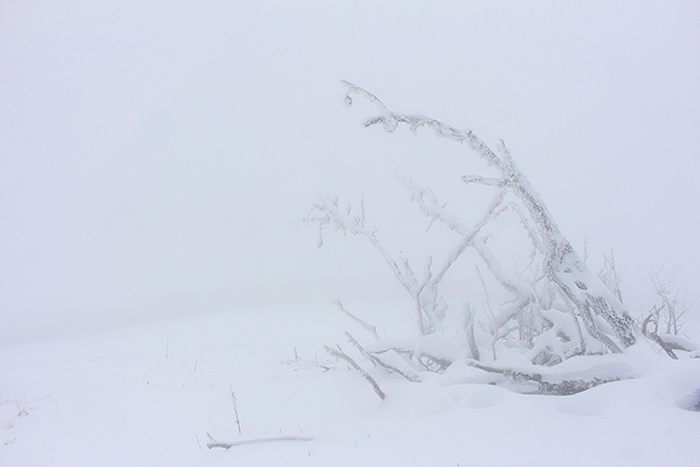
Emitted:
<point x="153" y="156"/>
<point x="148" y="395"/>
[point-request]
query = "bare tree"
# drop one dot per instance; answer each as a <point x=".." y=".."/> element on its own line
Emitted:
<point x="556" y="308"/>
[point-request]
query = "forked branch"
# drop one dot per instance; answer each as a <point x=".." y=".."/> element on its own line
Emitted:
<point x="562" y="264"/>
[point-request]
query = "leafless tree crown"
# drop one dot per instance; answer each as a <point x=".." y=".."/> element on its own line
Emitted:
<point x="555" y="309"/>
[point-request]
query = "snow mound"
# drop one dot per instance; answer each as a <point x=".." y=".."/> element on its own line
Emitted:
<point x="152" y="395"/>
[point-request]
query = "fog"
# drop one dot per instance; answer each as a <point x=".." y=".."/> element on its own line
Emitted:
<point x="156" y="157"/>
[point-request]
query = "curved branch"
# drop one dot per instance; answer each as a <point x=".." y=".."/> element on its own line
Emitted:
<point x="563" y="266"/>
<point x="391" y="121"/>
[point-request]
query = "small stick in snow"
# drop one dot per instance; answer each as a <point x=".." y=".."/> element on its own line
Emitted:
<point x="77" y="406"/>
<point x="235" y="410"/>
<point x="93" y="399"/>
<point x="227" y="445"/>
<point x="340" y="354"/>
<point x="377" y="361"/>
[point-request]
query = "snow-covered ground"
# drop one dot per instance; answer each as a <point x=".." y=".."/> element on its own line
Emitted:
<point x="154" y="155"/>
<point x="149" y="395"/>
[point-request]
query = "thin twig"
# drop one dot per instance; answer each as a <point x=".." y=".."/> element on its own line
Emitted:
<point x="227" y="445"/>
<point x="377" y="361"/>
<point x="651" y="335"/>
<point x="235" y="410"/>
<point x="93" y="398"/>
<point x="363" y="323"/>
<point x="340" y="354"/>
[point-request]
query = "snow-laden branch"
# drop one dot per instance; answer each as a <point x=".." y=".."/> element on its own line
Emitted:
<point x="391" y="120"/>
<point x="329" y="213"/>
<point x="229" y="444"/>
<point x="556" y="308"/>
<point x="486" y="181"/>
<point x="424" y="292"/>
<point x="562" y="264"/>
<point x="370" y="327"/>
<point x="541" y="385"/>
<point x="379" y="362"/>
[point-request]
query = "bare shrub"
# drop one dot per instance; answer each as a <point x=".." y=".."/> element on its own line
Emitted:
<point x="548" y="311"/>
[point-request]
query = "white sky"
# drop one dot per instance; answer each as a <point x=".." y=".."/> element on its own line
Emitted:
<point x="153" y="155"/>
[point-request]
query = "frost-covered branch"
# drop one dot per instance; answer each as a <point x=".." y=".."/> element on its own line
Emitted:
<point x="371" y="328"/>
<point x="342" y="355"/>
<point x="549" y="310"/>
<point x="653" y="319"/>
<point x="486" y="181"/>
<point x="391" y="120"/>
<point x="433" y="209"/>
<point x="469" y="316"/>
<point x="562" y="265"/>
<point x="379" y="362"/>
<point x="541" y="385"/>
<point x="229" y="444"/>
<point x="674" y="302"/>
<point x="608" y="274"/>
<point x="328" y="213"/>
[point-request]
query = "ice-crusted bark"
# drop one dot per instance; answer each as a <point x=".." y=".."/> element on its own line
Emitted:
<point x="562" y="265"/>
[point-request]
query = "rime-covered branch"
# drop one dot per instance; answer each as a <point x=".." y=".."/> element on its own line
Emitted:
<point x="371" y="328"/>
<point x="391" y="121"/>
<point x="486" y="181"/>
<point x="342" y="355"/>
<point x="562" y="264"/>
<point x="653" y="318"/>
<point x="229" y="444"/>
<point x="565" y="387"/>
<point x="328" y="212"/>
<point x="429" y="205"/>
<point x="379" y="362"/>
